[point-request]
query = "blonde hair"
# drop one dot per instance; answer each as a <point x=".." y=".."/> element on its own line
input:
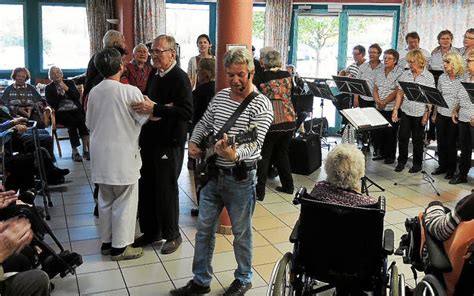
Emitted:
<point x="456" y="60"/>
<point x="345" y="166"/>
<point x="417" y="55"/>
<point x="112" y="38"/>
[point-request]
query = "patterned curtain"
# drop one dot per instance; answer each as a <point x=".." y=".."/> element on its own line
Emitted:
<point x="97" y="13"/>
<point x="150" y="19"/>
<point x="277" y="26"/>
<point x="429" y="17"/>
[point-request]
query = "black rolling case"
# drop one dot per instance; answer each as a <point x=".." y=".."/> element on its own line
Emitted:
<point x="305" y="154"/>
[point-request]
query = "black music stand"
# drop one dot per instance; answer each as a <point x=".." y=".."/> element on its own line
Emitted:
<point x="423" y="94"/>
<point x="352" y="86"/>
<point x="469" y="86"/>
<point x="319" y="88"/>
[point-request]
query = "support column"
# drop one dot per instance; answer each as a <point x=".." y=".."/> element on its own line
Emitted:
<point x="124" y="12"/>
<point x="234" y="26"/>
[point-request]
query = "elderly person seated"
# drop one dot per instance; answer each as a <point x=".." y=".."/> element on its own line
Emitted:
<point x="63" y="96"/>
<point x="22" y="99"/>
<point x="344" y="166"/>
<point x="139" y="68"/>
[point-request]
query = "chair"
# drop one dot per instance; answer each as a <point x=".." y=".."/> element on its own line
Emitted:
<point x="345" y="247"/>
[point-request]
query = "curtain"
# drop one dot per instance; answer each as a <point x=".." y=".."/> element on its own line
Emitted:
<point x="429" y="17"/>
<point x="97" y="13"/>
<point x="149" y="19"/>
<point x="277" y="25"/>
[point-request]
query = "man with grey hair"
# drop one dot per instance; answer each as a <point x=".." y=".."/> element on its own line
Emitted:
<point x="162" y="147"/>
<point x="232" y="176"/>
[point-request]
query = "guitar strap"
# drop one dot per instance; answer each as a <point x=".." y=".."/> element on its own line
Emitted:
<point x="236" y="115"/>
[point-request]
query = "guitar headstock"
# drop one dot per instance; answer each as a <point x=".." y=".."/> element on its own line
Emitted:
<point x="244" y="137"/>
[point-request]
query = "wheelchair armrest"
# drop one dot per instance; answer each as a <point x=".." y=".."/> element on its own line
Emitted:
<point x="388" y="238"/>
<point x="436" y="254"/>
<point x="294" y="233"/>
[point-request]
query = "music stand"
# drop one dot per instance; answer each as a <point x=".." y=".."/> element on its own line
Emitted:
<point x="423" y="94"/>
<point x="319" y="88"/>
<point x="352" y="86"/>
<point x="469" y="86"/>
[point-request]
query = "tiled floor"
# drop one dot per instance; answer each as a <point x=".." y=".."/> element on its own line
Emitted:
<point x="156" y="274"/>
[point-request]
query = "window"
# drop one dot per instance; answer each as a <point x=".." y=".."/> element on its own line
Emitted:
<point x="12" y="43"/>
<point x="185" y="22"/>
<point x="380" y="28"/>
<point x="258" y="29"/>
<point x="65" y="37"/>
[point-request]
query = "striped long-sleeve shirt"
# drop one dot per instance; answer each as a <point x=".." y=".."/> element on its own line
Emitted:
<point x="439" y="223"/>
<point x="449" y="89"/>
<point x="258" y="113"/>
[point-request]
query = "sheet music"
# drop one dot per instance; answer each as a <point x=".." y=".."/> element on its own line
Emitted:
<point x="363" y="118"/>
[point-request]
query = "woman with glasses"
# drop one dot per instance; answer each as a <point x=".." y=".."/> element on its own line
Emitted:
<point x="463" y="117"/>
<point x="468" y="42"/>
<point x="445" y="41"/>
<point x="449" y="84"/>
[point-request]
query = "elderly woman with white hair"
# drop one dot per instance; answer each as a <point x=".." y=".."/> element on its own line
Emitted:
<point x="345" y="167"/>
<point x="63" y="96"/>
<point x="138" y="70"/>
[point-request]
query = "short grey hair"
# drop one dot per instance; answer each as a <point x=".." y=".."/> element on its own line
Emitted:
<point x="272" y="59"/>
<point x="170" y="39"/>
<point x="51" y="69"/>
<point x="112" y="38"/>
<point x="264" y="50"/>
<point x="140" y="46"/>
<point x="345" y="166"/>
<point x="239" y="56"/>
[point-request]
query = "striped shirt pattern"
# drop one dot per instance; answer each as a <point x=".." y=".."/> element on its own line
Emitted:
<point x="387" y="84"/>
<point x="449" y="89"/>
<point x="353" y="70"/>
<point x="436" y="60"/>
<point x="368" y="74"/>
<point x="259" y="113"/>
<point x="411" y="108"/>
<point x="466" y="110"/>
<point x="403" y="57"/>
<point x="439" y="223"/>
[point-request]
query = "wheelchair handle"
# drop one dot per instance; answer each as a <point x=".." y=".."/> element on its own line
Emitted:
<point x="300" y="194"/>
<point x="32" y="124"/>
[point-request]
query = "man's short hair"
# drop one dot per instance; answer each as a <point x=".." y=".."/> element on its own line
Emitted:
<point x="272" y="59"/>
<point x="413" y="35"/>
<point x="445" y="32"/>
<point x="112" y="38"/>
<point x="170" y="39"/>
<point x="108" y="62"/>
<point x="239" y="56"/>
<point x="377" y="47"/>
<point x="360" y="48"/>
<point x="470" y="31"/>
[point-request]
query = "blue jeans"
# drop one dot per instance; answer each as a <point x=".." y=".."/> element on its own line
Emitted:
<point x="239" y="199"/>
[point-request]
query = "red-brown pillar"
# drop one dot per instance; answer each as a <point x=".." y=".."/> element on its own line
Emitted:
<point x="234" y="26"/>
<point x="124" y="12"/>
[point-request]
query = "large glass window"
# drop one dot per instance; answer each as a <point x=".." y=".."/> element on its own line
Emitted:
<point x="368" y="29"/>
<point x="12" y="42"/>
<point x="65" y="37"/>
<point x="185" y="22"/>
<point x="258" y="29"/>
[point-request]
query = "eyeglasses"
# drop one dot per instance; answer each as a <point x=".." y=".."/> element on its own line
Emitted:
<point x="160" y="51"/>
<point x="470" y="60"/>
<point x="468" y="37"/>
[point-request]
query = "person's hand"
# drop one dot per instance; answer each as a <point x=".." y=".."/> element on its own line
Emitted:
<point x="424" y="119"/>
<point x="20" y="128"/>
<point x="193" y="150"/>
<point x="455" y="116"/>
<point x="356" y="102"/>
<point x="381" y="104"/>
<point x="395" y="115"/>
<point x="472" y="121"/>
<point x="63" y="85"/>
<point x="19" y="120"/>
<point x="15" y="234"/>
<point x="144" y="107"/>
<point x="225" y="150"/>
<point x="7" y="198"/>
<point x="465" y="208"/>
<point x="25" y="111"/>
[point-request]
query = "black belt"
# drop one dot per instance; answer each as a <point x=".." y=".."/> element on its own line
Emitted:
<point x="229" y="171"/>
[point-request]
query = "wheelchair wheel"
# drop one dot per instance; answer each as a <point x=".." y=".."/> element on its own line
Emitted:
<point x="429" y="286"/>
<point x="394" y="282"/>
<point x="281" y="284"/>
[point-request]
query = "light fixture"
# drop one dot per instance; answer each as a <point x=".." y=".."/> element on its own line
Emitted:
<point x="113" y="21"/>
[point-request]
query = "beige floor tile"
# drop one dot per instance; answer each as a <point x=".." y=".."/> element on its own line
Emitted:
<point x="189" y="232"/>
<point x="257" y="291"/>
<point x="222" y="245"/>
<point x="158" y="289"/>
<point x="84" y="233"/>
<point x="178" y="269"/>
<point x="95" y="263"/>
<point x="65" y="286"/>
<point x="57" y="223"/>
<point x="82" y="220"/>
<point x="144" y="274"/>
<point x="100" y="281"/>
<point x="265" y="254"/>
<point x="267" y="222"/>
<point x="280" y="208"/>
<point x="78" y="198"/>
<point x="258" y="240"/>
<point x="120" y="292"/>
<point x="186" y="250"/>
<point x="284" y="247"/>
<point x="224" y="261"/>
<point x="400" y="203"/>
<point x="289" y="218"/>
<point x="277" y="235"/>
<point x="272" y="198"/>
<point x="396" y="216"/>
<point x="82" y="208"/>
<point x="265" y="271"/>
<point x="86" y="247"/>
<point x="260" y="211"/>
<point x="227" y="277"/>
<point x="149" y="257"/>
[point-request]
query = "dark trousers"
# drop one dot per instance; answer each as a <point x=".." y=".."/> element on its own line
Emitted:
<point x="276" y="144"/>
<point x="26" y="140"/>
<point x="158" y="195"/>
<point x="465" y="143"/>
<point x="75" y="121"/>
<point x="410" y="126"/>
<point x="370" y="137"/>
<point x="446" y="135"/>
<point x="387" y="137"/>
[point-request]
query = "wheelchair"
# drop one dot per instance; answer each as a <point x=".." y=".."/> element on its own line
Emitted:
<point x="448" y="266"/>
<point x="337" y="246"/>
